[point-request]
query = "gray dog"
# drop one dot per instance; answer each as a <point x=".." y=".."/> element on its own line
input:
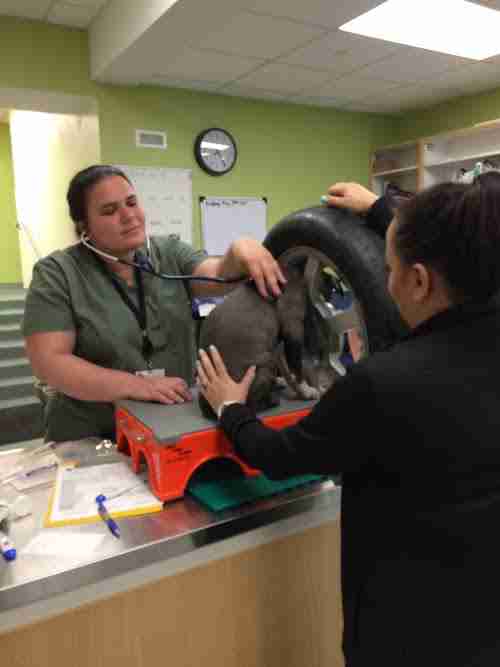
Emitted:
<point x="249" y="330"/>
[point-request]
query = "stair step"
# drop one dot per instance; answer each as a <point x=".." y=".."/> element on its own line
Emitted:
<point x="8" y="403"/>
<point x="8" y="303"/>
<point x="13" y="368"/>
<point x="12" y="294"/>
<point x="12" y="349"/>
<point x="20" y="387"/>
<point x="11" y="315"/>
<point x="10" y="332"/>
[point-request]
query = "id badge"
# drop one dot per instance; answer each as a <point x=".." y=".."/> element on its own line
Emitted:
<point x="154" y="372"/>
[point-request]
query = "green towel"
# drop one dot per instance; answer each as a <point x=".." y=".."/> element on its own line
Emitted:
<point x="226" y="493"/>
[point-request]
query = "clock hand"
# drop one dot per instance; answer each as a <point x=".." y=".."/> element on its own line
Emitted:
<point x="221" y="157"/>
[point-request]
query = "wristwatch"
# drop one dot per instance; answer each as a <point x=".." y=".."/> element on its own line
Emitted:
<point x="224" y="405"/>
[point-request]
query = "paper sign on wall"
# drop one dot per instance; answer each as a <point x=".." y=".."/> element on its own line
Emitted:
<point x="166" y="196"/>
<point x="225" y="219"/>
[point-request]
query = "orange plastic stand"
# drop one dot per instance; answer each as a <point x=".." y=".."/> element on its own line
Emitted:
<point x="171" y="466"/>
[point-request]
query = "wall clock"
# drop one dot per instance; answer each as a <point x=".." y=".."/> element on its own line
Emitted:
<point x="215" y="151"/>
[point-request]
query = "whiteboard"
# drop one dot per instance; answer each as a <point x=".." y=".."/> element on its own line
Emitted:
<point x="166" y="196"/>
<point x="225" y="219"/>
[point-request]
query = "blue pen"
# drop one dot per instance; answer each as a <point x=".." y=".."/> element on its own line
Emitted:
<point x="105" y="516"/>
<point x="7" y="547"/>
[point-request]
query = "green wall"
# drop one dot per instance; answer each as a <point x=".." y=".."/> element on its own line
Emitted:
<point x="451" y="115"/>
<point x="44" y="57"/>
<point x="288" y="153"/>
<point x="10" y="262"/>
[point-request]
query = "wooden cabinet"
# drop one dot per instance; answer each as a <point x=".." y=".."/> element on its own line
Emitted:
<point x="434" y="159"/>
<point x="398" y="165"/>
<point x="276" y="604"/>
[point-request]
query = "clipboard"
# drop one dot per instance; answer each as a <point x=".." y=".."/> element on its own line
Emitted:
<point x="72" y="501"/>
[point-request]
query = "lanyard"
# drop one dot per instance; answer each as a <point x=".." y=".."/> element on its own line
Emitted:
<point x="140" y="313"/>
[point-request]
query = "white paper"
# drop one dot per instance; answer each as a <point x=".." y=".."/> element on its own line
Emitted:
<point x="32" y="472"/>
<point x="225" y="219"/>
<point x="52" y="543"/>
<point x="77" y="488"/>
<point x="166" y="195"/>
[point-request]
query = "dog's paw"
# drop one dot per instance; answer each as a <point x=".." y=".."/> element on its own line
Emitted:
<point x="307" y="392"/>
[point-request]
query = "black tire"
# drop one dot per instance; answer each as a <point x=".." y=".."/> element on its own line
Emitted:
<point x="358" y="255"/>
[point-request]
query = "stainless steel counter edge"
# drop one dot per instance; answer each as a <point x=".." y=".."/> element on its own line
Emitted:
<point x="224" y="535"/>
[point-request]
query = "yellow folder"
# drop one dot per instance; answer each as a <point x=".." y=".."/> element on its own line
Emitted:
<point x="73" y="498"/>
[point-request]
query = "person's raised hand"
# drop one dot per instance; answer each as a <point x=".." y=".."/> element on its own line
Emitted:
<point x="259" y="264"/>
<point x="351" y="196"/>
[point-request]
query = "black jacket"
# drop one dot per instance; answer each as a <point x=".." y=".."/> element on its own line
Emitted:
<point x="416" y="433"/>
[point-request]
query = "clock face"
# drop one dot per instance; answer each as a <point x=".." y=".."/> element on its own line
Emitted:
<point x="215" y="151"/>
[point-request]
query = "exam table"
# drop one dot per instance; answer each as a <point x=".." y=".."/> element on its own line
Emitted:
<point x="257" y="585"/>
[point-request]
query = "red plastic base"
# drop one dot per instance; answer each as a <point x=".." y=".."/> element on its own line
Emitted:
<point x="171" y="466"/>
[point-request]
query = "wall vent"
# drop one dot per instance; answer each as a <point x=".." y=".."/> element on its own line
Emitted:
<point x="150" y="139"/>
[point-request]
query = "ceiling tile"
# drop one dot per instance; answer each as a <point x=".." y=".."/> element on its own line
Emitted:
<point x="467" y="80"/>
<point x="190" y="84"/>
<point x="284" y="78"/>
<point x="324" y="13"/>
<point x="412" y="64"/>
<point x="95" y="4"/>
<point x="29" y="9"/>
<point x="340" y="52"/>
<point x="236" y="90"/>
<point x="373" y="107"/>
<point x="207" y="66"/>
<point x="77" y="16"/>
<point x="258" y="36"/>
<point x="404" y="98"/>
<point x="353" y="87"/>
<point x="317" y="101"/>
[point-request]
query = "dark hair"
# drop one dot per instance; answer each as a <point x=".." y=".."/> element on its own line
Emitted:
<point x="80" y="185"/>
<point x="455" y="229"/>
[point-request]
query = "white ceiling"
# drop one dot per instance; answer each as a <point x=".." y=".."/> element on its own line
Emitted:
<point x="288" y="50"/>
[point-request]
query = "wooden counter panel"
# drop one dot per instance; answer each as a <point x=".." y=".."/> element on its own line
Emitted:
<point x="277" y="604"/>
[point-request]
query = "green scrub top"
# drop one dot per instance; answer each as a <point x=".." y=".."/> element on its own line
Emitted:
<point x="71" y="290"/>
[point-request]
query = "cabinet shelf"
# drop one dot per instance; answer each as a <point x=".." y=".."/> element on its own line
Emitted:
<point x="434" y="159"/>
<point x="399" y="170"/>
<point x="462" y="158"/>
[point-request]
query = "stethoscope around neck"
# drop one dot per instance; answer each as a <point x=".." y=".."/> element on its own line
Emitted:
<point x="143" y="263"/>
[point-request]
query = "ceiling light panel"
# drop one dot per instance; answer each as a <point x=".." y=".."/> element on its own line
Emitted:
<point x="455" y="27"/>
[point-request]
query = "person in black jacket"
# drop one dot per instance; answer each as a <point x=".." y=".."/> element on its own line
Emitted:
<point x="421" y="468"/>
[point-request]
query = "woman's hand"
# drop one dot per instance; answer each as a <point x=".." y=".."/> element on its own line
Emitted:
<point x="162" y="389"/>
<point x="216" y="384"/>
<point x="256" y="261"/>
<point x="352" y="196"/>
